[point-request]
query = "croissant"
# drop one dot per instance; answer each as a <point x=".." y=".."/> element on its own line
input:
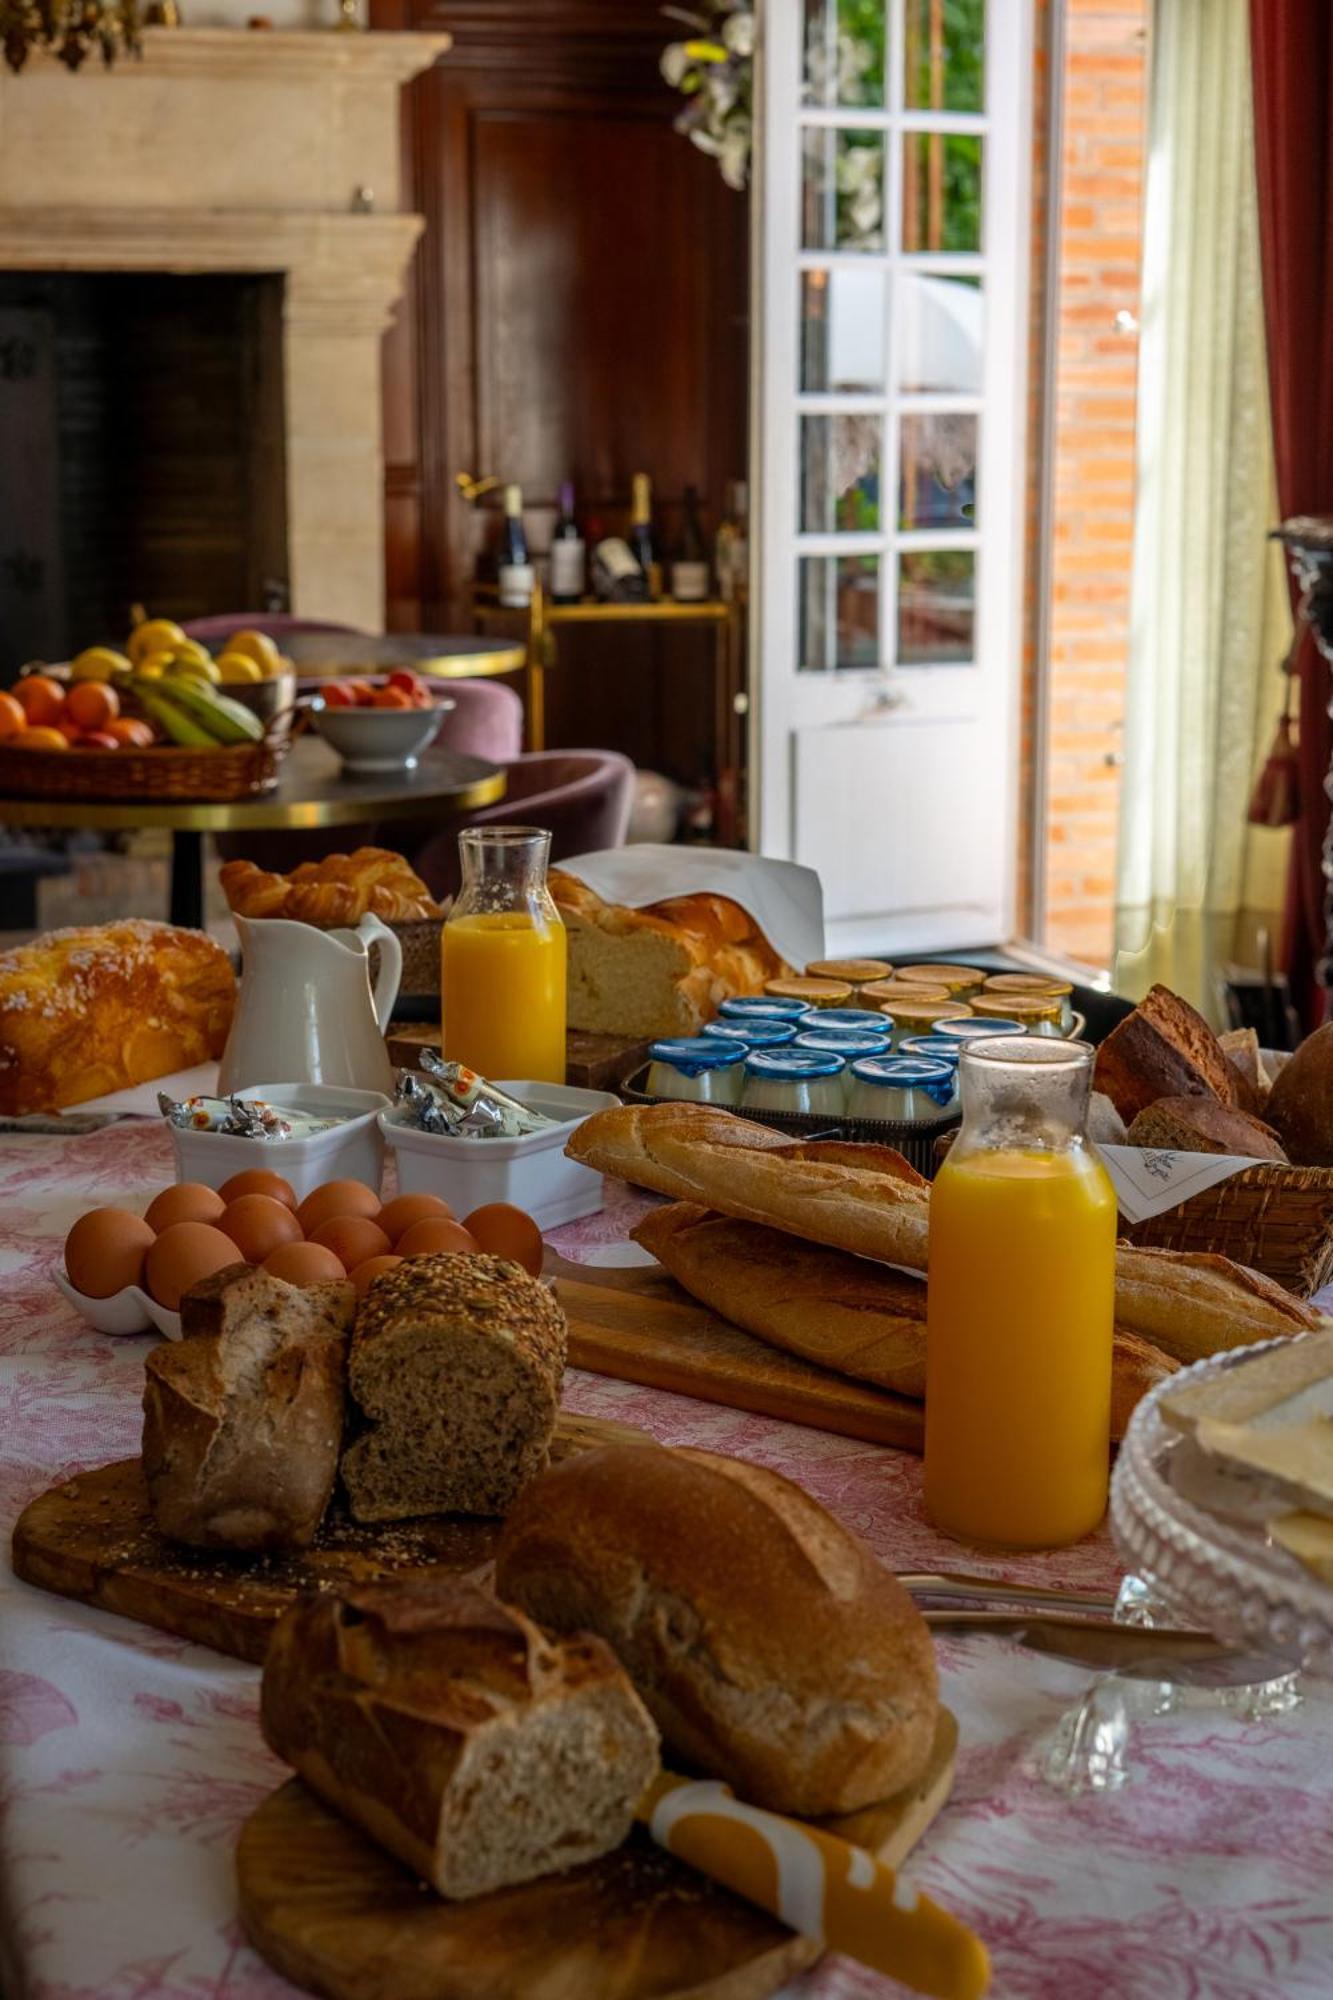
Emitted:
<point x="333" y="892"/>
<point x="328" y="905"/>
<point x="252" y="891"/>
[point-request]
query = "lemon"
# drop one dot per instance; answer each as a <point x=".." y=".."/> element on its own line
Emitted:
<point x="98" y="663"/>
<point x="235" y="667"/>
<point x="155" y="635"/>
<point x="185" y="666"/>
<point x="190" y="649"/>
<point x="152" y="670"/>
<point x="256" y="646"/>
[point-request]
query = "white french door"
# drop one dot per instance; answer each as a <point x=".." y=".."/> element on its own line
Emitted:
<point x="890" y="360"/>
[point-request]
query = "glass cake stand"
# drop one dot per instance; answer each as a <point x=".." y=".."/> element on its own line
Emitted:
<point x="1213" y="1563"/>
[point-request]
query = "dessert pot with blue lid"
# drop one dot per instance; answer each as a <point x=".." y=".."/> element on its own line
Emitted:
<point x="902" y="1089"/>
<point x="698" y="1069"/>
<point x="759" y="1034"/>
<point x="802" y="1081"/>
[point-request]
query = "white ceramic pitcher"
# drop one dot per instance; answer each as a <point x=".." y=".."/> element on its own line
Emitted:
<point x="306" y="1013"/>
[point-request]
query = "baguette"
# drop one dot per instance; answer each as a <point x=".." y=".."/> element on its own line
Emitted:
<point x="1193" y="1305"/>
<point x="770" y="1647"/>
<point x="841" y="1312"/>
<point x="877" y="1209"/>
<point x="472" y="1745"/>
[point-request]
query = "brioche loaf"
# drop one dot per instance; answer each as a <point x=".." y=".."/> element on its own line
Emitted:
<point x="661" y="970"/>
<point x="1202" y="1125"/>
<point x="243" y="1417"/>
<point x="1300" y="1104"/>
<point x="83" y="1012"/>
<point x="1165" y="1049"/>
<point x="866" y="1199"/>
<point x="478" y="1749"/>
<point x="456" y="1362"/>
<point x="771" y="1648"/>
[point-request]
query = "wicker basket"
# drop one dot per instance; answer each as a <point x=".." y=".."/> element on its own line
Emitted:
<point x="1278" y="1220"/>
<point x="163" y="775"/>
<point x="915" y="1142"/>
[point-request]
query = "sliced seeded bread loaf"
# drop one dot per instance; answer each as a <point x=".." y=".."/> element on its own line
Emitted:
<point x="243" y="1426"/>
<point x="459" y="1735"/>
<point x="457" y="1363"/>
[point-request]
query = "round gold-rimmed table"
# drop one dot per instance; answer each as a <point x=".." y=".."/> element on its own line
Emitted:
<point x="464" y="656"/>
<point x="311" y="792"/>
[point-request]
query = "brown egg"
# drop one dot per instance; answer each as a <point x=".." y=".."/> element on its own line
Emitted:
<point x="352" y="1238"/>
<point x="190" y="1202"/>
<point x="182" y="1255"/>
<point x="399" y="1215"/>
<point x="505" y="1231"/>
<point x="336" y="1198"/>
<point x="436" y="1232"/>
<point x="257" y="1224"/>
<point x="364" y="1276"/>
<point x="303" y="1264"/>
<point x="105" y="1251"/>
<point x="258" y="1180"/>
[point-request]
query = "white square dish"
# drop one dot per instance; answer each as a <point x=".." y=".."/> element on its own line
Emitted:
<point x="531" y="1172"/>
<point x="352" y="1150"/>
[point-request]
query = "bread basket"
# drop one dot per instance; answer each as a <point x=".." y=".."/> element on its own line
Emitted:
<point x="1275" y="1219"/>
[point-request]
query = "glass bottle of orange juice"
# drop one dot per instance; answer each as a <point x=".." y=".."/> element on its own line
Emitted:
<point x="503" y="965"/>
<point x="1020" y="1308"/>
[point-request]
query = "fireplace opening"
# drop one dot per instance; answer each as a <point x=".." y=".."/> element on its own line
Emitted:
<point x="142" y="454"/>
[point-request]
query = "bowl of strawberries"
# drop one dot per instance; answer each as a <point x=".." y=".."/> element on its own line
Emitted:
<point x="381" y="724"/>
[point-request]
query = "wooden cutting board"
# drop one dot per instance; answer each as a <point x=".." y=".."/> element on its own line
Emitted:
<point x="93" y="1539"/>
<point x="337" y="1915"/>
<point x="638" y="1324"/>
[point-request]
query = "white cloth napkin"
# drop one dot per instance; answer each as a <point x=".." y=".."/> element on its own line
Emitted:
<point x="140" y="1100"/>
<point x="1148" y="1181"/>
<point x="785" y="900"/>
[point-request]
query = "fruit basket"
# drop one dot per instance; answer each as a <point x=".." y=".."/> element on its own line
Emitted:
<point x="161" y="775"/>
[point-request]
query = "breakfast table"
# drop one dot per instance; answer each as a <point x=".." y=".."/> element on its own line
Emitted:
<point x="129" y="1759"/>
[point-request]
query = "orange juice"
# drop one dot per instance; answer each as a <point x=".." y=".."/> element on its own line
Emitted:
<point x="1019" y="1314"/>
<point x="503" y="983"/>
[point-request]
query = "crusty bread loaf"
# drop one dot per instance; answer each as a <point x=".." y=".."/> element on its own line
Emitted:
<point x="1165" y="1049"/>
<point x="83" y="1012"/>
<point x="661" y="970"/>
<point x="457" y="1363"/>
<point x="1241" y="1048"/>
<point x="1300" y="1104"/>
<point x="1193" y="1305"/>
<point x="478" y="1749"/>
<point x="243" y="1424"/>
<point x="874" y="1207"/>
<point x="1202" y="1125"/>
<point x="769" y="1645"/>
<point x="846" y="1313"/>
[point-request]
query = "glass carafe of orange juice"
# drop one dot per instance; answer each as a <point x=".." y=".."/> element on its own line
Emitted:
<point x="503" y="970"/>
<point x="1020" y="1308"/>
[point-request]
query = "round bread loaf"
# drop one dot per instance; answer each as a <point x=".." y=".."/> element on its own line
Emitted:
<point x="771" y="1647"/>
<point x="1300" y="1104"/>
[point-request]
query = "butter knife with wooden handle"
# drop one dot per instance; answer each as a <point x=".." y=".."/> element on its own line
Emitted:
<point x="818" y="1885"/>
<point x="1143" y="1652"/>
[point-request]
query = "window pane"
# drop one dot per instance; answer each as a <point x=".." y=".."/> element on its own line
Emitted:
<point x="842" y="200"/>
<point x="840" y="474"/>
<point x="943" y="55"/>
<point x="937" y="487"/>
<point x="843" y="329"/>
<point x="839" y="613"/>
<point x="941" y="191"/>
<point x="935" y="606"/>
<point x="844" y="52"/>
<point x="941" y="334"/>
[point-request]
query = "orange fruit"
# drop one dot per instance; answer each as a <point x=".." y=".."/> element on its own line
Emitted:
<point x="39" y="739"/>
<point x="92" y="704"/>
<point x="12" y="718"/>
<point x="130" y="732"/>
<point x="390" y="698"/>
<point x="41" y="700"/>
<point x="69" y="730"/>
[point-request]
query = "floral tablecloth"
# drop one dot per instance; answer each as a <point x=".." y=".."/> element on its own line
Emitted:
<point x="128" y="1759"/>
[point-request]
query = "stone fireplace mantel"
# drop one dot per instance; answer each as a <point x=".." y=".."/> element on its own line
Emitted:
<point x="229" y="150"/>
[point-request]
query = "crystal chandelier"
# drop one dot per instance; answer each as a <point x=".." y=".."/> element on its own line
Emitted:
<point x="74" y="29"/>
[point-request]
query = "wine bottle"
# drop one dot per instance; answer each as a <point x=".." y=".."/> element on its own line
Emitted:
<point x="516" y="575"/>
<point x="616" y="575"/>
<point x="569" y="567"/>
<point x="641" y="538"/>
<point x="733" y="544"/>
<point x="689" y="564"/>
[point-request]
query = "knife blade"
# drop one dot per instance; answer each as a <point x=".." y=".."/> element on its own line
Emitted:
<point x="960" y="1588"/>
<point x="1143" y="1652"/>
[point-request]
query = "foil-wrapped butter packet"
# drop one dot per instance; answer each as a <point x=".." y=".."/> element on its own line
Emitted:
<point x="463" y="1104"/>
<point x="242" y="1117"/>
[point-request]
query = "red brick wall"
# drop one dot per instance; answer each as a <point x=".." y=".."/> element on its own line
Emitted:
<point x="1100" y="207"/>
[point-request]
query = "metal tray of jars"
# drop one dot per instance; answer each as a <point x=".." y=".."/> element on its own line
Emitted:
<point x="915" y="1140"/>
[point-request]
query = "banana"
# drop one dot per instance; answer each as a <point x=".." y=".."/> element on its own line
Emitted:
<point x="173" y="721"/>
<point x="226" y="720"/>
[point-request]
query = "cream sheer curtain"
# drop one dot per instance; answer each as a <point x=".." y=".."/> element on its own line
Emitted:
<point x="1210" y="615"/>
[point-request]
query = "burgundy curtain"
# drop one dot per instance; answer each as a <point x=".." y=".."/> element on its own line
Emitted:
<point x="1292" y="44"/>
